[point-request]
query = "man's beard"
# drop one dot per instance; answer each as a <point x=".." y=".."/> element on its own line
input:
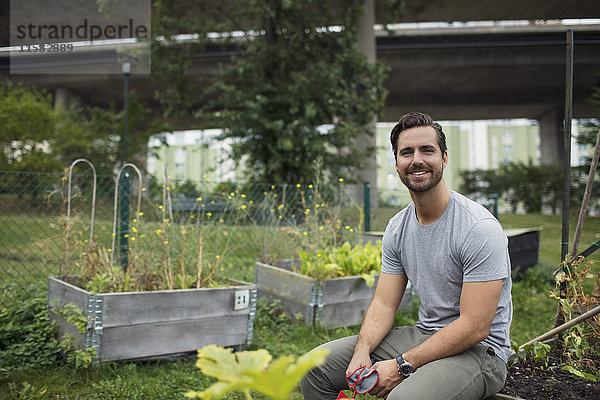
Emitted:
<point x="422" y="186"/>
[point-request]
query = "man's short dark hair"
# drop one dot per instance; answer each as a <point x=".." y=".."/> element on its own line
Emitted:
<point x="413" y="120"/>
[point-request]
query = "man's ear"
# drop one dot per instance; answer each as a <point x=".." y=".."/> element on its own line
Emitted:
<point x="445" y="159"/>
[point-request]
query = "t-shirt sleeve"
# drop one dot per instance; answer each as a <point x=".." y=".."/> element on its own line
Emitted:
<point x="390" y="252"/>
<point x="484" y="252"/>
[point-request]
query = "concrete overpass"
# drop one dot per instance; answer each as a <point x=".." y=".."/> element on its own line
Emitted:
<point x="453" y="73"/>
<point x="457" y="71"/>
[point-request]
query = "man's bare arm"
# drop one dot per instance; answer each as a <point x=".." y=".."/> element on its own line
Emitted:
<point x="478" y="304"/>
<point x="379" y="318"/>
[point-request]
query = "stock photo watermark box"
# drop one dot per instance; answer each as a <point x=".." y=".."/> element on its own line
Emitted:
<point x="80" y="36"/>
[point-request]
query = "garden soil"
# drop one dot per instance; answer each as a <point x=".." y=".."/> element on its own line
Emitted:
<point x="548" y="383"/>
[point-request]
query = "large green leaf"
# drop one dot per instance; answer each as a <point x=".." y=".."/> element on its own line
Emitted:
<point x="252" y="371"/>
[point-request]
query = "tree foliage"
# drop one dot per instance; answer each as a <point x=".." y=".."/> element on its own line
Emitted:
<point x="532" y="186"/>
<point x="36" y="136"/>
<point x="296" y="94"/>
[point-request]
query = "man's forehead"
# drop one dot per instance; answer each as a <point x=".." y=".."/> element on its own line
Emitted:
<point x="418" y="136"/>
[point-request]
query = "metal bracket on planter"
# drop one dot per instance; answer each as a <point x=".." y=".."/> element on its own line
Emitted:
<point x="315" y="303"/>
<point x="252" y="315"/>
<point x="95" y="308"/>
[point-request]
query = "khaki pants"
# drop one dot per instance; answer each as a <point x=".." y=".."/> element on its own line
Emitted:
<point x="474" y="374"/>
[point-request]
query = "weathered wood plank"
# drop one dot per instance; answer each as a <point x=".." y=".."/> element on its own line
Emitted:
<point x="169" y="305"/>
<point x="282" y="283"/>
<point x="61" y="293"/>
<point x="161" y="339"/>
<point x="66" y="328"/>
<point x="347" y="289"/>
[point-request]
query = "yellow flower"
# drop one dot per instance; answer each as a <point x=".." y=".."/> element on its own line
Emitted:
<point x="143" y="189"/>
<point x="134" y="229"/>
<point x="232" y="194"/>
<point x="134" y="220"/>
<point x="310" y="186"/>
<point x="208" y="214"/>
<point x="280" y="207"/>
<point x="109" y="250"/>
<point x="160" y="207"/>
<point x="166" y="242"/>
<point x="320" y="228"/>
<point x="133" y="238"/>
<point x="126" y="235"/>
<point x="307" y="211"/>
<point x="298" y="185"/>
<point x="243" y="196"/>
<point x="198" y="198"/>
<point x="243" y="206"/>
<point x="158" y="231"/>
<point x="341" y="180"/>
<point x="305" y="233"/>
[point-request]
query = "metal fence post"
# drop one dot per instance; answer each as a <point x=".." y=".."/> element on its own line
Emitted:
<point x="367" y="205"/>
<point x="124" y="223"/>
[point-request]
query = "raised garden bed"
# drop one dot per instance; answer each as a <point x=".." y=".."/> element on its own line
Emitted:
<point x="156" y="324"/>
<point x="332" y="303"/>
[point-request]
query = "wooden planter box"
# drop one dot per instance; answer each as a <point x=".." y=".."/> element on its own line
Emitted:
<point x="156" y="324"/>
<point x="332" y="303"/>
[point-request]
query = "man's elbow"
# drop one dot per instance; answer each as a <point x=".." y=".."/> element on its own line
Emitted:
<point x="481" y="333"/>
<point x="480" y="329"/>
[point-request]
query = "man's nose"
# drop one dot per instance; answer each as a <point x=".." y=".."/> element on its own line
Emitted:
<point x="417" y="159"/>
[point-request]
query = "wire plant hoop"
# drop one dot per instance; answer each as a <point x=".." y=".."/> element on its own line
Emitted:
<point x="68" y="222"/>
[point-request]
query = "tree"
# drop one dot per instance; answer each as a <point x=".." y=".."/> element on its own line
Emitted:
<point x="35" y="136"/>
<point x="297" y="94"/>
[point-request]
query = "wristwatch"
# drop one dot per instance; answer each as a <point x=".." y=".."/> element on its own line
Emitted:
<point x="404" y="367"/>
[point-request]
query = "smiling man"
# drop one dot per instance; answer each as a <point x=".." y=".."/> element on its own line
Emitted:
<point x="455" y="254"/>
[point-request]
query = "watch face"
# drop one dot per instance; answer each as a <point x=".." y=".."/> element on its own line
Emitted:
<point x="406" y="369"/>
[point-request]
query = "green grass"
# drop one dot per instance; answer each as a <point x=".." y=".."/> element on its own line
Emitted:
<point x="533" y="315"/>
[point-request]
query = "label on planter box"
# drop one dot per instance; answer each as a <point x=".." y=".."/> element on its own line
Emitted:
<point x="241" y="299"/>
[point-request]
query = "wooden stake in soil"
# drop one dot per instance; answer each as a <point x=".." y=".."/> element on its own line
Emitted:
<point x="586" y="196"/>
<point x="564" y="326"/>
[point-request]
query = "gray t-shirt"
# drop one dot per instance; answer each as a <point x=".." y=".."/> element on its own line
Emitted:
<point x="466" y="244"/>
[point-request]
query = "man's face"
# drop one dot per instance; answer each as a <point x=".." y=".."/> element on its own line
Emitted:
<point x="420" y="162"/>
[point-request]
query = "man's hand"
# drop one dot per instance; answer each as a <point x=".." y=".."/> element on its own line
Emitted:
<point x="358" y="360"/>
<point x="389" y="377"/>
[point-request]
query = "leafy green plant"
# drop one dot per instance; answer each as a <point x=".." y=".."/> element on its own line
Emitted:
<point x="28" y="336"/>
<point x="248" y="371"/>
<point x="346" y="260"/>
<point x="580" y="344"/>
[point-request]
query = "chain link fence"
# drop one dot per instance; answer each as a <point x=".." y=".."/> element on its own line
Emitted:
<point x="44" y="234"/>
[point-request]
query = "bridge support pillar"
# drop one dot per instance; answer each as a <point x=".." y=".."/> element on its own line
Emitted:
<point x="63" y="98"/>
<point x="366" y="43"/>
<point x="551" y="136"/>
